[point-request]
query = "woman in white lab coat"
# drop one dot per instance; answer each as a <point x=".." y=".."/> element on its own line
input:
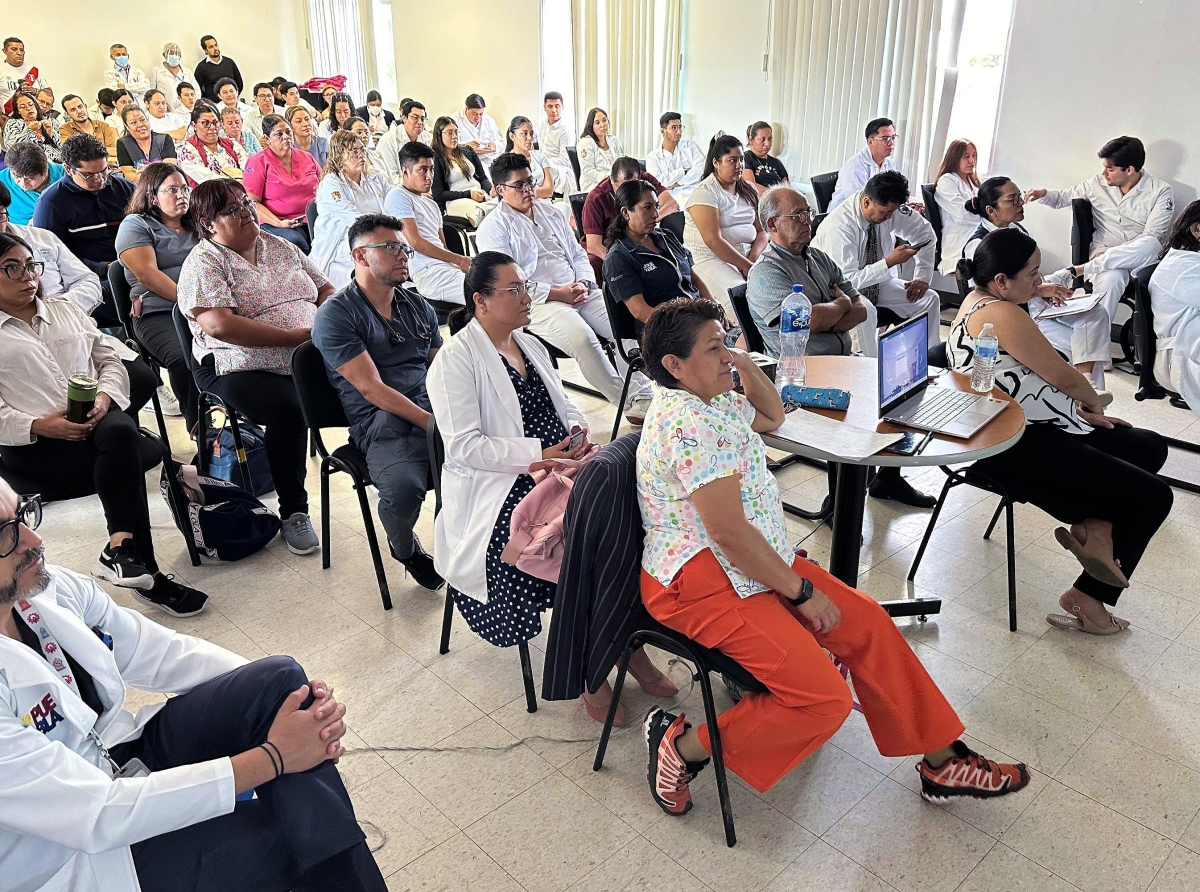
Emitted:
<point x="1175" y="299"/>
<point x="500" y="408"/>
<point x="957" y="184"/>
<point x="347" y="191"/>
<point x="598" y="149"/>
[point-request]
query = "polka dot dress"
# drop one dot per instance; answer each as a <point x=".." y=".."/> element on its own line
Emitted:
<point x="516" y="600"/>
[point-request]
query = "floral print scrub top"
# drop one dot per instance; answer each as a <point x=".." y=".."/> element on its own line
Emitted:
<point x="685" y="444"/>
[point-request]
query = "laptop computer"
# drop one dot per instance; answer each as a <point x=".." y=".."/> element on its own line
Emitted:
<point x="908" y="397"/>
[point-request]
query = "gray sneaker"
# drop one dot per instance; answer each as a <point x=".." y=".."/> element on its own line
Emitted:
<point x="299" y="535"/>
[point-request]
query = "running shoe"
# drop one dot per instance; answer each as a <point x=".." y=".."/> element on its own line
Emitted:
<point x="969" y="774"/>
<point x="666" y="770"/>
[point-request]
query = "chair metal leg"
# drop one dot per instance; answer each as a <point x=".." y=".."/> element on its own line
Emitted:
<point x="158" y="416"/>
<point x="527" y="676"/>
<point x="621" y="403"/>
<point x="447" y="619"/>
<point x="912" y="571"/>
<point x="202" y="455"/>
<point x="326" y="544"/>
<point x="714" y="736"/>
<point x="243" y="462"/>
<point x="1012" y="566"/>
<point x="373" y="541"/>
<point x="996" y="517"/>
<point x="622" y="668"/>
<point x="312" y="445"/>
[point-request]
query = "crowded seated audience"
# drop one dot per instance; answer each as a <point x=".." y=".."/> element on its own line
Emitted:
<point x="207" y="154"/>
<point x="874" y="159"/>
<point x="436" y="271"/>
<point x="27" y="175"/>
<point x="281" y="180"/>
<point x="1094" y="472"/>
<point x="478" y="130"/>
<point x="249" y="298"/>
<point x="140" y="145"/>
<point x="460" y="186"/>
<point x="28" y="124"/>
<point x="341" y="110"/>
<point x="598" y="150"/>
<point x="762" y="169"/>
<point x="79" y="120"/>
<point x="678" y="162"/>
<point x="377" y="336"/>
<point x="599" y="208"/>
<point x="347" y="191"/>
<point x="304" y="135"/>
<point x="1175" y="300"/>
<point x="722" y="229"/>
<point x="957" y="183"/>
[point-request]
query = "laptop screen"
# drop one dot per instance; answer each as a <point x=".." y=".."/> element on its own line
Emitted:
<point x="903" y="361"/>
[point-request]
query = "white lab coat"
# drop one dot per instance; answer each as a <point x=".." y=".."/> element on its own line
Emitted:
<point x="65" y="824"/>
<point x="679" y="171"/>
<point x="163" y="78"/>
<point x="388" y="148"/>
<point x="339" y="204"/>
<point x="64" y="275"/>
<point x="511" y="232"/>
<point x="1175" y="297"/>
<point x="133" y="79"/>
<point x="595" y="163"/>
<point x="855" y="173"/>
<point x="1146" y="209"/>
<point x="486" y="132"/>
<point x="479" y="418"/>
<point x="958" y="224"/>
<point x="843" y="236"/>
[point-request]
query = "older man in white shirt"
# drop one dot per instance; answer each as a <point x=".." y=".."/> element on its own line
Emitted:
<point x="1132" y="214"/>
<point x="122" y="75"/>
<point x="568" y="308"/>
<point x="678" y="162"/>
<point x="876" y="157"/>
<point x="477" y="129"/>
<point x="861" y="235"/>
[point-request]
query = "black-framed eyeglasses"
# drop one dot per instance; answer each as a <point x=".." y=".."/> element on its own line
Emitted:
<point x="99" y="176"/>
<point x="519" y="185"/>
<point x="245" y="206"/>
<point x="29" y="512"/>
<point x="394" y="249"/>
<point x="18" y="271"/>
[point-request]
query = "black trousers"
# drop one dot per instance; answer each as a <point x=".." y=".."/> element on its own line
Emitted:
<point x="270" y="400"/>
<point x="106" y="463"/>
<point x="1106" y="475"/>
<point x="142" y="384"/>
<point x="156" y="333"/>
<point x="300" y="833"/>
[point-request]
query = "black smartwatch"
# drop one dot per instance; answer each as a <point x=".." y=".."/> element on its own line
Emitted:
<point x="806" y="592"/>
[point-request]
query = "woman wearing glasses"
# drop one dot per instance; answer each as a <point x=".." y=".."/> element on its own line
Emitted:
<point x="500" y="409"/>
<point x="98" y="455"/>
<point x="250" y="298"/>
<point x="206" y="154"/>
<point x="153" y="242"/>
<point x="282" y="180"/>
<point x="346" y="192"/>
<point x="1082" y="337"/>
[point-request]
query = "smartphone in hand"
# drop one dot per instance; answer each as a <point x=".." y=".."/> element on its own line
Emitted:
<point x="577" y="438"/>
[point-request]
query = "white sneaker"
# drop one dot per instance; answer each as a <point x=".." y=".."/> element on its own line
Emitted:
<point x="636" y="408"/>
<point x="166" y="399"/>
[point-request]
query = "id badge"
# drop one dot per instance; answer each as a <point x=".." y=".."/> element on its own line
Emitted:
<point x="133" y="768"/>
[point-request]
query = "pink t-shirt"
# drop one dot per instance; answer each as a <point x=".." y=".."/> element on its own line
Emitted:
<point x="284" y="194"/>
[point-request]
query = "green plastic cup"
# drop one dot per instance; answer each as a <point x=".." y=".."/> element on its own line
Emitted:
<point x="81" y="397"/>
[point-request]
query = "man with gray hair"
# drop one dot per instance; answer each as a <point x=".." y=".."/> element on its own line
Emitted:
<point x="790" y="260"/>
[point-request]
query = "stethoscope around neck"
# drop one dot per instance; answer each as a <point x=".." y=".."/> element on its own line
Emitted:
<point x="400" y="297"/>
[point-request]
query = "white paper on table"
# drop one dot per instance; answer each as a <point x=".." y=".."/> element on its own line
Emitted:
<point x="831" y="436"/>
<point x="1073" y="306"/>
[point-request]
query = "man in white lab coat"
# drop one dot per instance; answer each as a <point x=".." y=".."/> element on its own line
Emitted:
<point x="554" y="137"/>
<point x="122" y="75"/>
<point x="95" y="799"/>
<point x="875" y="158"/>
<point x="678" y="162"/>
<point x="1132" y="214"/>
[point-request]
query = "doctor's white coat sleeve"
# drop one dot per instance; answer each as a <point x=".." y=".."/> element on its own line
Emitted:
<point x="80" y="285"/>
<point x="1061" y="198"/>
<point x="914" y="229"/>
<point x="1162" y="212"/>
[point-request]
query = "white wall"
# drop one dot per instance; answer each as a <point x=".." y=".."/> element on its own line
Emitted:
<point x="69" y="42"/>
<point x="1083" y="71"/>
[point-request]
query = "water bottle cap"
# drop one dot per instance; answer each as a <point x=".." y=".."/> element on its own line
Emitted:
<point x="987" y="329"/>
<point x="797" y="289"/>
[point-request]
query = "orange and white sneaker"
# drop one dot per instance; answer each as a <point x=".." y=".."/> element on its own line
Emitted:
<point x="666" y="770"/>
<point x="969" y="774"/>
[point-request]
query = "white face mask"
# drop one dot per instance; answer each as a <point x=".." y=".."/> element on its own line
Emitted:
<point x="173" y="58"/>
<point x="374" y="111"/>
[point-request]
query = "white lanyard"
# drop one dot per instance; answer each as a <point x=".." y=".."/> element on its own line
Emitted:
<point x="50" y="647"/>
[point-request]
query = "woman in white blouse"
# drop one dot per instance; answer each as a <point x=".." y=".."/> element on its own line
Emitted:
<point x="598" y="150"/>
<point x="347" y="191"/>
<point x="722" y="229"/>
<point x="1175" y="298"/>
<point x="957" y="184"/>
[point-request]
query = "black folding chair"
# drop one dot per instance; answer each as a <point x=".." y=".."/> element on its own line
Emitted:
<point x="741" y="309"/>
<point x="675" y="224"/>
<point x="624" y="329"/>
<point x="933" y="213"/>
<point x="123" y="302"/>
<point x="1083" y="228"/>
<point x="573" y="155"/>
<point x="578" y="199"/>
<point x="310" y="214"/>
<point x="322" y="407"/>
<point x="437" y="458"/>
<point x="823" y="186"/>
<point x="816" y="221"/>
<point x="1144" y="339"/>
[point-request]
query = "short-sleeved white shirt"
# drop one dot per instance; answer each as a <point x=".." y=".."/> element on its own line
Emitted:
<point x="687" y="443"/>
<point x="411" y="206"/>
<point x="736" y="218"/>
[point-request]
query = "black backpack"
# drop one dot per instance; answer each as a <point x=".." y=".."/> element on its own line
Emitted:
<point x="225" y="521"/>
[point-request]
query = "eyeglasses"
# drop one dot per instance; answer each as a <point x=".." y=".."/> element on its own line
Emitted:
<point x="360" y="152"/>
<point x="886" y="139"/>
<point x="394" y="249"/>
<point x="29" y="512"/>
<point x="417" y="119"/>
<point x="18" y="271"/>
<point x="206" y="122"/>
<point x="176" y="191"/>
<point x="518" y="290"/>
<point x="519" y="185"/>
<point x="1016" y="199"/>
<point x="802" y="216"/>
<point x="98" y="177"/>
<point x="245" y="206"/>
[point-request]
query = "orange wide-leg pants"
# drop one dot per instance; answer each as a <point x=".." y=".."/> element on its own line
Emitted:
<point x="764" y="736"/>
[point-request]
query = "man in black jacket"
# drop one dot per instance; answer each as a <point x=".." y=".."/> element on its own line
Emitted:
<point x="213" y="67"/>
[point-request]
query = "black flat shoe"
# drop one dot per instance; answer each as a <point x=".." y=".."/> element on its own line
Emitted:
<point x="897" y="489"/>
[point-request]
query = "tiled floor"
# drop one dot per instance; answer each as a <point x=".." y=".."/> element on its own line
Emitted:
<point x="1109" y="726"/>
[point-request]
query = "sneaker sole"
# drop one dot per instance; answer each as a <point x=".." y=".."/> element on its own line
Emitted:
<point x="294" y="550"/>
<point x="939" y="795"/>
<point x="142" y="599"/>
<point x="100" y="571"/>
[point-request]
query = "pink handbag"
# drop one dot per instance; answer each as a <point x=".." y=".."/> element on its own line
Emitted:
<point x="535" y="545"/>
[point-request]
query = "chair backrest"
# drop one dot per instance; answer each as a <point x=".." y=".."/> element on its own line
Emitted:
<point x="1083" y="227"/>
<point x="1145" y="341"/>
<point x="936" y="356"/>
<point x="310" y="214"/>
<point x="184" y="332"/>
<point x="122" y="300"/>
<point x="573" y="155"/>
<point x="319" y="401"/>
<point x="456" y="237"/>
<point x="823" y="185"/>
<point x="816" y="221"/>
<point x="675" y="224"/>
<point x="437" y="458"/>
<point x="933" y="214"/>
<point x="578" y="200"/>
<point x="624" y="327"/>
<point x="741" y="309"/>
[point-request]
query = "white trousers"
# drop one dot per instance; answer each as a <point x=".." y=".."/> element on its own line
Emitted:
<point x="1111" y="271"/>
<point x="474" y="211"/>
<point x="574" y="331"/>
<point x="1083" y="337"/>
<point x="891" y="296"/>
<point x="720" y="276"/>
<point x="441" y="281"/>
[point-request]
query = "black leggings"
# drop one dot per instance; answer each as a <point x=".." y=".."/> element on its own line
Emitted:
<point x="106" y="463"/>
<point x="157" y="334"/>
<point x="269" y="400"/>
<point x="142" y="384"/>
<point x="1106" y="475"/>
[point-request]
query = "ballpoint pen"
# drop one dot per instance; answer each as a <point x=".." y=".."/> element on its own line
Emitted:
<point x="924" y="442"/>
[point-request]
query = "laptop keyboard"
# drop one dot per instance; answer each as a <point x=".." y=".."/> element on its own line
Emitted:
<point x="942" y="407"/>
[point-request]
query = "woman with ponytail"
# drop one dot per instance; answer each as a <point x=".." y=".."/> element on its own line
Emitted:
<point x="500" y="407"/>
<point x="1081" y="337"/>
<point x="957" y="184"/>
<point x="1096" y="473"/>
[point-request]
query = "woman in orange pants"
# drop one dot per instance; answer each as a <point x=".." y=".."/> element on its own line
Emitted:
<point x="727" y="579"/>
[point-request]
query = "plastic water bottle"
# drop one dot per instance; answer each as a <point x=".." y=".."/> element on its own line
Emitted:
<point x="983" y="371"/>
<point x="795" y="320"/>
